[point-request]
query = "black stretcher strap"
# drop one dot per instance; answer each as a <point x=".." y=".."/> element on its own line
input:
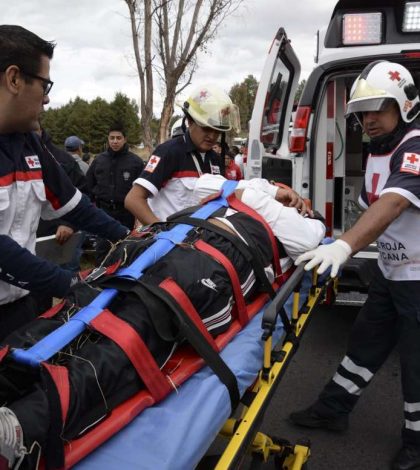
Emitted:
<point x="197" y="341"/>
<point x="248" y="251"/>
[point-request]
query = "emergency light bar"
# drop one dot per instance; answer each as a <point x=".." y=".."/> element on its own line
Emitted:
<point x="362" y="29"/>
<point x="411" y="20"/>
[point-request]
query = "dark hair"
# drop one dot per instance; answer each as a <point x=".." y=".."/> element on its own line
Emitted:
<point x="117" y="127"/>
<point x="22" y="48"/>
<point x="235" y="149"/>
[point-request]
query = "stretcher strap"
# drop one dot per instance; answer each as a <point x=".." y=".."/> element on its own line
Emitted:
<point x="238" y="205"/>
<point x="60" y="377"/>
<point x="172" y="288"/>
<point x="54" y="385"/>
<point x="233" y="275"/>
<point x="197" y="341"/>
<point x="127" y="338"/>
<point x="3" y="352"/>
<point x="52" y="311"/>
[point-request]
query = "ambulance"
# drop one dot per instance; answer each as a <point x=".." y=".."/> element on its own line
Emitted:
<point x="323" y="156"/>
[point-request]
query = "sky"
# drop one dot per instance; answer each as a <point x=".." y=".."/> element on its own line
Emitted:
<point x="94" y="52"/>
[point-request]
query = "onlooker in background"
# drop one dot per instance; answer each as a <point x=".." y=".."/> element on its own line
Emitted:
<point x="62" y="229"/>
<point x="177" y="128"/>
<point x="239" y="157"/>
<point x="217" y="147"/>
<point x="32" y="183"/>
<point x="86" y="158"/>
<point x="74" y="146"/>
<point x="110" y="177"/>
<point x="167" y="182"/>
<point x="232" y="170"/>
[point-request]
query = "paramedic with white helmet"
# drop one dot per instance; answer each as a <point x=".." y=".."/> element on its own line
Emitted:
<point x="167" y="182"/>
<point x="385" y="100"/>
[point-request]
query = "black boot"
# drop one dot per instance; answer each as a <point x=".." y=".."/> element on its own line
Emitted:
<point x="311" y="418"/>
<point x="408" y="458"/>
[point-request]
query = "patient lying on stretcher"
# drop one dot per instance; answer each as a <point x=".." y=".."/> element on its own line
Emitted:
<point x="101" y="376"/>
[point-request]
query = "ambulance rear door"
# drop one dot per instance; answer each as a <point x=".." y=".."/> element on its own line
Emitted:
<point x="268" y="144"/>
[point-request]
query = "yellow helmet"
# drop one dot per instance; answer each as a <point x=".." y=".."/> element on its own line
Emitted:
<point x="208" y="106"/>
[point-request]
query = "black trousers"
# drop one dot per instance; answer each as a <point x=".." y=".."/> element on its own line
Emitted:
<point x="16" y="314"/>
<point x="390" y="318"/>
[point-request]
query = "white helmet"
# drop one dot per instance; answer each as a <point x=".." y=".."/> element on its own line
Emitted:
<point x="208" y="106"/>
<point x="380" y="82"/>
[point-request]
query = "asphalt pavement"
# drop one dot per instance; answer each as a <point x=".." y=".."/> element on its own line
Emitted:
<point x="375" y="424"/>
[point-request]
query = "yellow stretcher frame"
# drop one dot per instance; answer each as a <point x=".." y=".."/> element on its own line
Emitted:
<point x="242" y="432"/>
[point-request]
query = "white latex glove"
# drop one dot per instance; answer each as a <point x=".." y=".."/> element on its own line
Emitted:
<point x="335" y="254"/>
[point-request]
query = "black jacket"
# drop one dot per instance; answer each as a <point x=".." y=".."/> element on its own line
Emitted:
<point x="73" y="171"/>
<point x="111" y="175"/>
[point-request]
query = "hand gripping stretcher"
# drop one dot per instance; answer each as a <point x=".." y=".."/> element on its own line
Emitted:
<point x="175" y="432"/>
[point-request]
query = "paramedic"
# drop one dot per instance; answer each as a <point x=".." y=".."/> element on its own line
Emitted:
<point x="386" y="102"/>
<point x="101" y="375"/>
<point x="32" y="183"/>
<point x="167" y="182"/>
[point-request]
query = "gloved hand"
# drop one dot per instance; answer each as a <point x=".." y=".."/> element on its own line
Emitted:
<point x="334" y="255"/>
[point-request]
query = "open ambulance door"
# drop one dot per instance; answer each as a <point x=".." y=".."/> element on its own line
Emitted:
<point x="270" y="121"/>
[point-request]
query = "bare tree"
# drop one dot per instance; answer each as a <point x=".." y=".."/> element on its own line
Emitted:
<point x="171" y="33"/>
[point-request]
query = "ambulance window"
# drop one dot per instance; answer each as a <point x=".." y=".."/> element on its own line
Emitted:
<point x="276" y="99"/>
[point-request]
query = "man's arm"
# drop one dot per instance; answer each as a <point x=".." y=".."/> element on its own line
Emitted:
<point x="375" y="220"/>
<point x="367" y="229"/>
<point x="136" y="203"/>
<point x="296" y="232"/>
<point x="21" y="268"/>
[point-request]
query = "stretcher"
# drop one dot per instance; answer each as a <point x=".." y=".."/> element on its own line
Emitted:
<point x="176" y="433"/>
<point x="202" y="405"/>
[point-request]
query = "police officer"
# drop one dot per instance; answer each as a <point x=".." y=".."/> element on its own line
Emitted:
<point x="168" y="180"/>
<point x="111" y="175"/>
<point x="386" y="102"/>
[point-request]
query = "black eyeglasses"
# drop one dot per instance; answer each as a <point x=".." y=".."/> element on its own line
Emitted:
<point x="46" y="84"/>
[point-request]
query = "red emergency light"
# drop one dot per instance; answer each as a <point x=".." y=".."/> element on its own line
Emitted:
<point x="297" y="142"/>
<point x="360" y="29"/>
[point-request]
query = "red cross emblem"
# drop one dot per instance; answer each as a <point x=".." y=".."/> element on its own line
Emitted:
<point x="394" y="75"/>
<point x="153" y="160"/>
<point x="412" y="158"/>
<point x="30" y="162"/>
<point x="203" y="94"/>
<point x="225" y="112"/>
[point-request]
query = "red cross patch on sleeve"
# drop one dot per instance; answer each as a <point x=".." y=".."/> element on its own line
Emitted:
<point x="411" y="163"/>
<point x="152" y="163"/>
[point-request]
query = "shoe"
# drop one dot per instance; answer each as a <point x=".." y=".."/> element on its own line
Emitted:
<point x="11" y="439"/>
<point x="408" y="458"/>
<point x="310" y="418"/>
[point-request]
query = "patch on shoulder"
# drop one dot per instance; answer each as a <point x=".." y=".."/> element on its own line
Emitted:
<point x="33" y="162"/>
<point x="152" y="163"/>
<point x="411" y="163"/>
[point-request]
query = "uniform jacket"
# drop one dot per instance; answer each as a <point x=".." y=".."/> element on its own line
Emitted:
<point x="111" y="175"/>
<point x="171" y="173"/>
<point x="33" y="185"/>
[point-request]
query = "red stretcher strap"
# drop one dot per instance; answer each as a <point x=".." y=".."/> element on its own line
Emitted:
<point x="60" y="376"/>
<point x="181" y="298"/>
<point x="233" y="275"/>
<point x="52" y="311"/>
<point x="238" y="205"/>
<point x="3" y="351"/>
<point x="127" y="338"/>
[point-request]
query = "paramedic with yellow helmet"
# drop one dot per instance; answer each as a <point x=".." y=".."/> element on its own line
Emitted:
<point x="385" y="100"/>
<point x="167" y="182"/>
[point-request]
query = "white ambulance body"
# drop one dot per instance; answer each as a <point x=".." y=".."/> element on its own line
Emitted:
<point x="323" y="157"/>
